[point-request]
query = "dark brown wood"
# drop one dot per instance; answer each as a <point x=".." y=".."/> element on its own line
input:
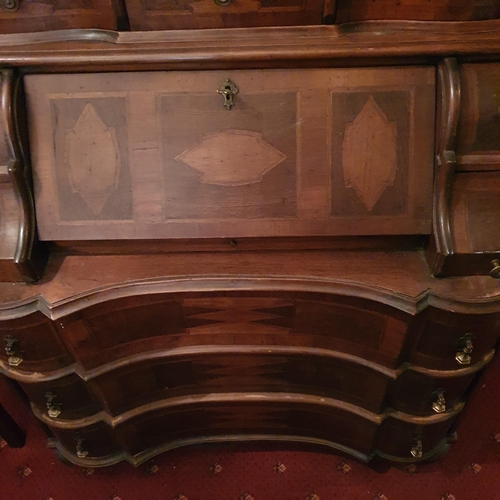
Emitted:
<point x="368" y="44"/>
<point x="22" y="257"/>
<point x="10" y="431"/>
<point x="350" y="343"/>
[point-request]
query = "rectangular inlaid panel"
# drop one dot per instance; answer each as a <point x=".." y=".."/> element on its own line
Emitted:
<point x="249" y="153"/>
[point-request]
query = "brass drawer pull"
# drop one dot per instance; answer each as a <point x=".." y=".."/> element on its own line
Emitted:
<point x="439" y="404"/>
<point x="53" y="408"/>
<point x="222" y="3"/>
<point x="81" y="452"/>
<point x="12" y="350"/>
<point x="463" y="356"/>
<point x="228" y="90"/>
<point x="495" y="271"/>
<point x="417" y="449"/>
<point x="9" y="5"/>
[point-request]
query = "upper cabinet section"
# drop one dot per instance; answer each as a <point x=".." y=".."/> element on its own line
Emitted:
<point x="18" y="16"/>
<point x="232" y="153"/>
<point x="191" y="14"/>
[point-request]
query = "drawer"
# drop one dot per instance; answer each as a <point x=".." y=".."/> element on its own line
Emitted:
<point x="474" y="213"/>
<point x="18" y="16"/>
<point x="65" y="399"/>
<point x="419" y="394"/>
<point x="126" y="388"/>
<point x="219" y="420"/>
<point x="450" y="341"/>
<point x="412" y="441"/>
<point x="160" y="155"/>
<point x="132" y="326"/>
<point x="191" y="14"/>
<point x="87" y="444"/>
<point x="419" y="10"/>
<point x="32" y="344"/>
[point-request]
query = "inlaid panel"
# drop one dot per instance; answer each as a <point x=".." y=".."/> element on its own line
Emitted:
<point x="324" y="152"/>
<point x="231" y="164"/>
<point x="91" y="160"/>
<point x="131" y="326"/>
<point x="370" y="140"/>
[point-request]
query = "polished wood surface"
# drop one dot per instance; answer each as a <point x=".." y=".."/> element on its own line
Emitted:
<point x="265" y="272"/>
<point x="299" y="154"/>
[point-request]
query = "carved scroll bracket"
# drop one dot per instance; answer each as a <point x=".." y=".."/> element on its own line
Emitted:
<point x="449" y="105"/>
<point x="21" y="257"/>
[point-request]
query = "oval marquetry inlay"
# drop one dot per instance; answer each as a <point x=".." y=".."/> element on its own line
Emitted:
<point x="92" y="159"/>
<point x="369" y="154"/>
<point x="232" y="158"/>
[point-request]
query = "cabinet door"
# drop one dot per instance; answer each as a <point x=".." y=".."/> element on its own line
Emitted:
<point x="323" y="152"/>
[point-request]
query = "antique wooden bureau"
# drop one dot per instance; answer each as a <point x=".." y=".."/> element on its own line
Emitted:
<point x="273" y="233"/>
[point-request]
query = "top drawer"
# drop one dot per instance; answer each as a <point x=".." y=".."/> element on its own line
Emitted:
<point x="191" y="14"/>
<point x="299" y="153"/>
<point x="18" y="16"/>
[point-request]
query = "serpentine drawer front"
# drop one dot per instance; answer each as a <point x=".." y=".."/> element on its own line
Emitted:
<point x="232" y="153"/>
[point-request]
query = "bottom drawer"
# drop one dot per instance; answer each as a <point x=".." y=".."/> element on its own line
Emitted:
<point x="91" y="445"/>
<point x="264" y="417"/>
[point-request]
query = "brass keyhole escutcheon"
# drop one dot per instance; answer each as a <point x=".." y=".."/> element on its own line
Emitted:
<point x="228" y="90"/>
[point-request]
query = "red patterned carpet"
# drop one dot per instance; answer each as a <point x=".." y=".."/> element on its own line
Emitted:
<point x="470" y="471"/>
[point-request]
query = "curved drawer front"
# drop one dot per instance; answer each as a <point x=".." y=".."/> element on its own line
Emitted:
<point x="232" y="154"/>
<point x="131" y="326"/>
<point x="450" y="341"/>
<point x="43" y="15"/>
<point x="126" y="388"/>
<point x="265" y="417"/>
<point x="32" y="343"/>
<point x="66" y="398"/>
<point x="412" y="441"/>
<point x="221" y="420"/>
<point x="88" y="444"/>
<point x="419" y="394"/>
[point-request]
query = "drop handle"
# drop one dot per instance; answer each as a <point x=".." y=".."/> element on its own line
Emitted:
<point x="12" y="350"/>
<point x="81" y="452"/>
<point x="228" y="90"/>
<point x="465" y="346"/>
<point x="417" y="449"/>
<point x="439" y="403"/>
<point x="53" y="407"/>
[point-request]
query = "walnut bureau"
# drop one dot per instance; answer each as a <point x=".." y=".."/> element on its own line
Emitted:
<point x="273" y="233"/>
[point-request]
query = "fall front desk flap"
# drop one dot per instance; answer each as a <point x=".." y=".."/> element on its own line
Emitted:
<point x="232" y="153"/>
